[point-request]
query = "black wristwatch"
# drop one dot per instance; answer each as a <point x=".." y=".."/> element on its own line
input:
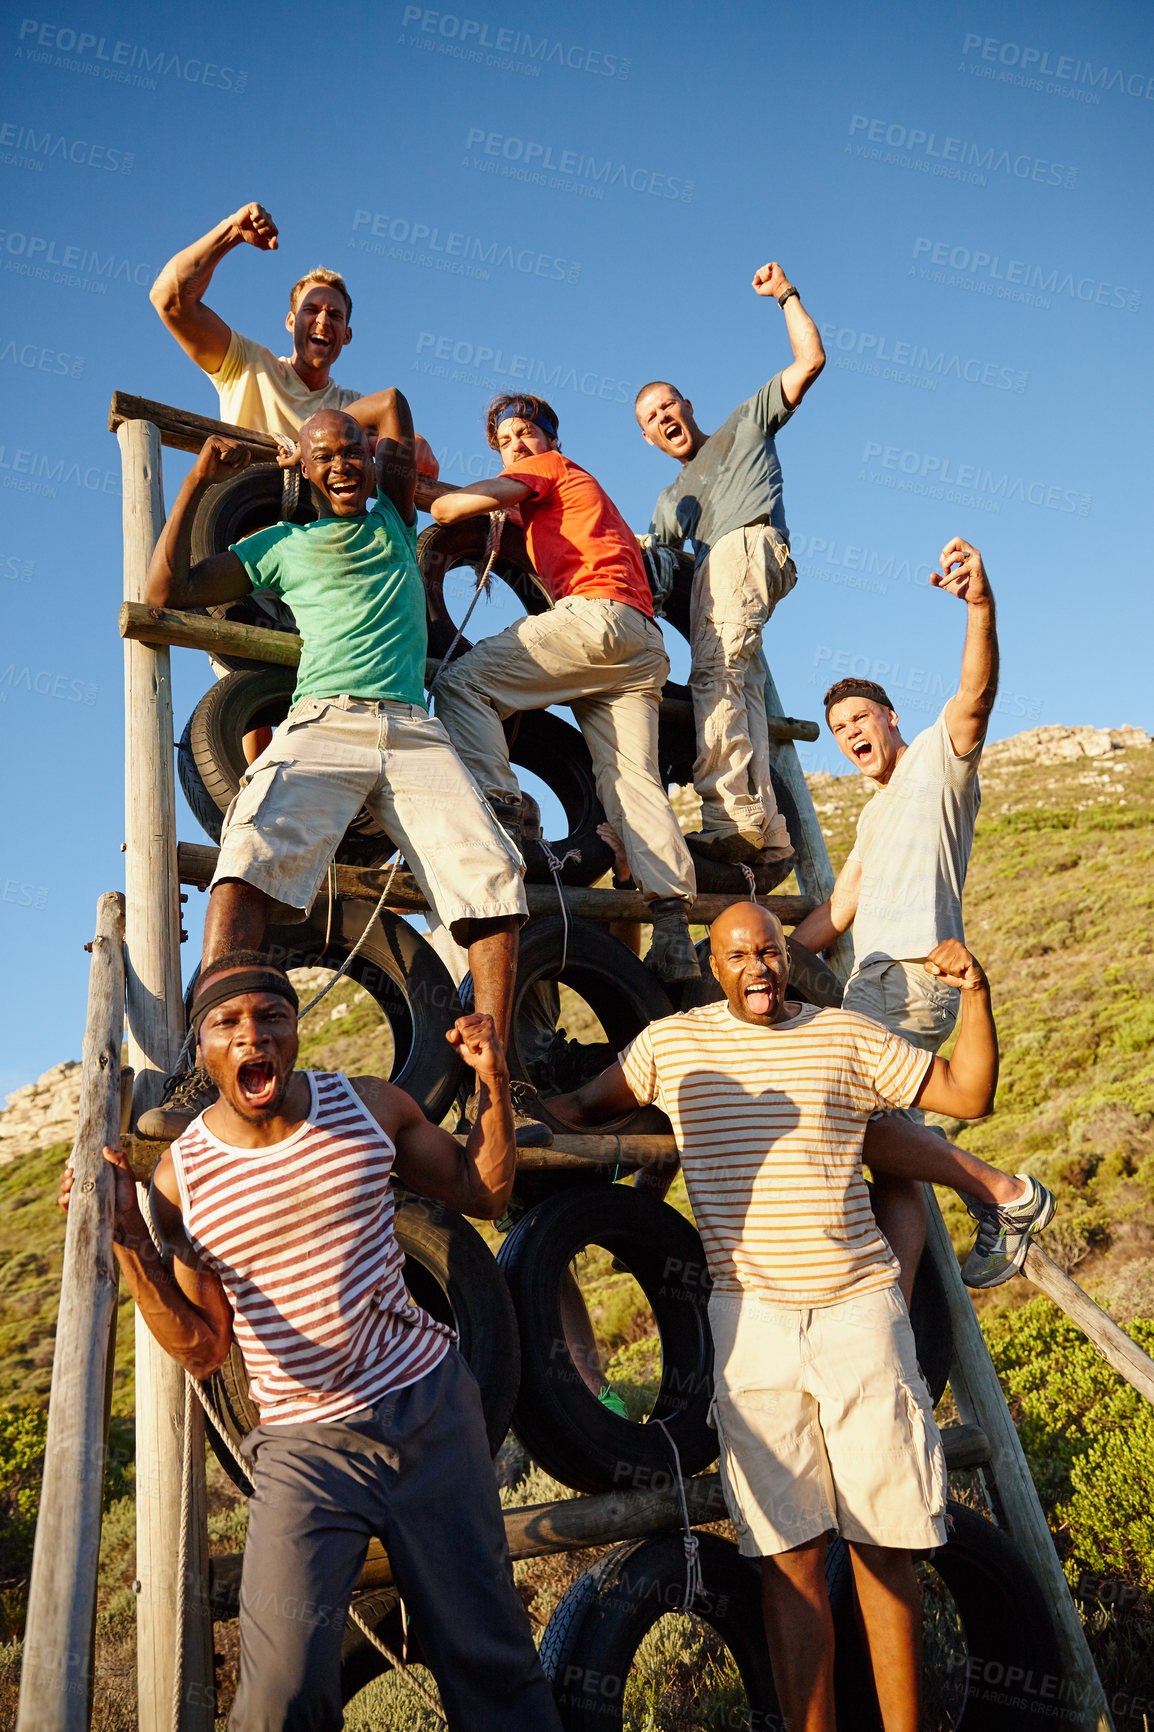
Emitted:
<point x="782" y="299"/>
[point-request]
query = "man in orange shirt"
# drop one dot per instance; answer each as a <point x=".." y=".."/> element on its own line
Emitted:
<point x="598" y="650"/>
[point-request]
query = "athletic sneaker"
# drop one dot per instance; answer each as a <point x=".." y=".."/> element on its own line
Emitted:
<point x="529" y="1128"/>
<point x="1004" y="1234"/>
<point x="186" y="1095"/>
<point x="671" y="956"/>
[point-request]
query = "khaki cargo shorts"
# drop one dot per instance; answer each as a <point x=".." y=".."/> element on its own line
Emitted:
<point x="329" y="757"/>
<point x="825" y="1422"/>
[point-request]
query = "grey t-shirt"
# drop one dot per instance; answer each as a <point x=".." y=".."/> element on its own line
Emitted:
<point x="913" y="841"/>
<point x="734" y="480"/>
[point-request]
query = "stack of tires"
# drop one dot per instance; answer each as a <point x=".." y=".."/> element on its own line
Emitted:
<point x="510" y="1312"/>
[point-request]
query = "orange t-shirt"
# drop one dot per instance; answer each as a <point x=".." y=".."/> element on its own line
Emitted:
<point x="578" y="540"/>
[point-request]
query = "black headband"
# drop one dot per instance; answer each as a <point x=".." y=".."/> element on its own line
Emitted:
<point x="221" y="987"/>
<point x="856" y="689"/>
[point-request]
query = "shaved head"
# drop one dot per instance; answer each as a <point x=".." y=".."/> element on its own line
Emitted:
<point x="333" y="422"/>
<point x="745" y="915"/>
<point x="750" y="961"/>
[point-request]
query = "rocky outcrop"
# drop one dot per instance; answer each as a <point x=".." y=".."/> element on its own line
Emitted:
<point x="41" y="1113"/>
<point x="1058" y="745"/>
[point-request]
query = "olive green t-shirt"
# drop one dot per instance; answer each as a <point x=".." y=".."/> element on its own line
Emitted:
<point x="356" y="594"/>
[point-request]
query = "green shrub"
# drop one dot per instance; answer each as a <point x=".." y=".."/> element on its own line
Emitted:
<point x="1088" y="1437"/>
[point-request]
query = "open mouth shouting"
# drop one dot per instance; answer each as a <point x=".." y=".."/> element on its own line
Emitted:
<point x="257" y="1082"/>
<point x="761" y="997"/>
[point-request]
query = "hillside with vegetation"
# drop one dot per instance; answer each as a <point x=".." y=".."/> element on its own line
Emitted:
<point x="1059" y="911"/>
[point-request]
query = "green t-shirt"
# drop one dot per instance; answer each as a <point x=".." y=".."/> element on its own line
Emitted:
<point x="357" y="596"/>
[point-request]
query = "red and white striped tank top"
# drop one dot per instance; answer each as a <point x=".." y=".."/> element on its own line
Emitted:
<point x="301" y="1236"/>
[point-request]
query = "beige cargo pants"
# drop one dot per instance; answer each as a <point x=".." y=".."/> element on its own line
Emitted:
<point x="735" y="590"/>
<point x="607" y="661"/>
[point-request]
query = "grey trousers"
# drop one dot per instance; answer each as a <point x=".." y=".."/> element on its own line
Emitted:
<point x="414" y="1471"/>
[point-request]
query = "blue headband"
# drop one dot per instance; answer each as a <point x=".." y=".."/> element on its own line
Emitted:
<point x="511" y="412"/>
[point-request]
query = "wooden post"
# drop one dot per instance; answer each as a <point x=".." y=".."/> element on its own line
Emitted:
<point x="1115" y="1346"/>
<point x="154" y="1034"/>
<point x="980" y="1401"/>
<point x="55" y="1685"/>
<point x="815" y="876"/>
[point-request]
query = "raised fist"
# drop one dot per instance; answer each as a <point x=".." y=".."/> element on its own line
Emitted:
<point x="254" y="225"/>
<point x="771" y="280"/>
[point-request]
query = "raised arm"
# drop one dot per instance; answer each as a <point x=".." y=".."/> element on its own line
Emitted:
<point x="597" y="1102"/>
<point x="836" y="914"/>
<point x="499" y="494"/>
<point x="387" y="416"/>
<point x="183" y="1303"/>
<point x="968" y="711"/>
<point x="477" y="1178"/>
<point x="171" y="582"/>
<point x="963" y="1085"/>
<point x="177" y="294"/>
<point x="804" y="337"/>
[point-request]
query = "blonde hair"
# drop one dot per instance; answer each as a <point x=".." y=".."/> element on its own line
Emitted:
<point x="331" y="280"/>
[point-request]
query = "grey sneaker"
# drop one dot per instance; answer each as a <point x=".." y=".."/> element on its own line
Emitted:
<point x="185" y="1097"/>
<point x="1004" y="1234"/>
<point x="671" y="956"/>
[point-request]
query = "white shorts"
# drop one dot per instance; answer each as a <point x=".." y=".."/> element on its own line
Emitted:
<point x="825" y="1422"/>
<point x="329" y="757"/>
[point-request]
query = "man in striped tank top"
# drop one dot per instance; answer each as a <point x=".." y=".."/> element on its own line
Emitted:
<point x="276" y="1213"/>
<point x="823" y="1419"/>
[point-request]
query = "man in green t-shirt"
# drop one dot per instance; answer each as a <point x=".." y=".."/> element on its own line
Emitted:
<point x="358" y="732"/>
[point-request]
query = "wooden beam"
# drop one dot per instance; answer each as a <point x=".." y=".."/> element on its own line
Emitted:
<point x="140" y="623"/>
<point x="56" y="1684"/>
<point x="980" y="1401"/>
<point x="155" y="1030"/>
<point x="577" y="1523"/>
<point x="1115" y="1346"/>
<point x="181" y="429"/>
<point x="197" y="862"/>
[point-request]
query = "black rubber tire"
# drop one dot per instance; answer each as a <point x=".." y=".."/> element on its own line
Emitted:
<point x="211" y="761"/>
<point x="550" y="747"/>
<point x="1006" y="1623"/>
<point x="590" y="1641"/>
<point x="445" y="547"/>
<point x="933" y="1330"/>
<point x="617" y="986"/>
<point x="449" y="1270"/>
<point x="557" y="1418"/>
<point x="255" y="499"/>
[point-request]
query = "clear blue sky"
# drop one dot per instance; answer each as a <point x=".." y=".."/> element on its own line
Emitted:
<point x="961" y="192"/>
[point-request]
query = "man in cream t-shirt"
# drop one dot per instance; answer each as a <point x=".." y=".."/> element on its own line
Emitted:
<point x="270" y="393"/>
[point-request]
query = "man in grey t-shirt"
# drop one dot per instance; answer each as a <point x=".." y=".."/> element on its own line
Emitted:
<point x="901" y="886"/>
<point x="727" y="500"/>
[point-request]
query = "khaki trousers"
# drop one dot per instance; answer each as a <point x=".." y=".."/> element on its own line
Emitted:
<point x="735" y="590"/>
<point x="608" y="663"/>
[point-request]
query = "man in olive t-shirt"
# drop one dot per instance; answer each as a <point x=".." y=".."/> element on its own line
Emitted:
<point x="727" y="500"/>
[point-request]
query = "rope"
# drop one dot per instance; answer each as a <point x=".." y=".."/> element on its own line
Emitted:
<point x="556" y="866"/>
<point x="369" y="924"/>
<point x="694" y="1584"/>
<point x="194" y="1385"/>
<point x="750" y="880"/>
<point x="492" y="546"/>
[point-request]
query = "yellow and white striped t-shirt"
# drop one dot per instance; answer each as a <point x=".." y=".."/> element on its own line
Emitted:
<point x="770" y="1124"/>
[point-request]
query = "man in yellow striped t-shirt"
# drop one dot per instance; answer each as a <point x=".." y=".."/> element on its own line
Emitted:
<point x="823" y="1418"/>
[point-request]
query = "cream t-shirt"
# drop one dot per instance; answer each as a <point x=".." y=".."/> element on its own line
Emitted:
<point x="263" y="391"/>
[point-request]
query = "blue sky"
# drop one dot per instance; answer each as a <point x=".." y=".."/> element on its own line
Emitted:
<point x="580" y="197"/>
